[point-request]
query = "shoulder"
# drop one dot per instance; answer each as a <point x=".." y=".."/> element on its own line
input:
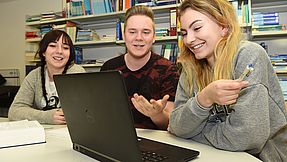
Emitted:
<point x="76" y="69"/>
<point x="251" y="53"/>
<point x="250" y="50"/>
<point x="161" y="60"/>
<point x="34" y="74"/>
<point x="113" y="63"/>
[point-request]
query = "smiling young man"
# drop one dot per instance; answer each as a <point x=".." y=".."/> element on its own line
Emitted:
<point x="151" y="80"/>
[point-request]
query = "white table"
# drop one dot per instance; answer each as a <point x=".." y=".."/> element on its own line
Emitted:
<point x="58" y="148"/>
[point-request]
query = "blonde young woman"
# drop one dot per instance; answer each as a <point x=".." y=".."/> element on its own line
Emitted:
<point x="212" y="105"/>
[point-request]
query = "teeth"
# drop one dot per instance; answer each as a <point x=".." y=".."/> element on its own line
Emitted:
<point x="58" y="58"/>
<point x="198" y="46"/>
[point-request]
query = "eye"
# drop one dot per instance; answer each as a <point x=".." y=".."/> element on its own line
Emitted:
<point x="132" y="32"/>
<point x="52" y="45"/>
<point x="66" y="47"/>
<point x="197" y="28"/>
<point x="147" y="32"/>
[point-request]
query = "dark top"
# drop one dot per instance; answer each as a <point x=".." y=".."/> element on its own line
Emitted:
<point x="155" y="79"/>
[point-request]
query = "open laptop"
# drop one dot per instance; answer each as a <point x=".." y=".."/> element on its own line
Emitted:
<point x="100" y="121"/>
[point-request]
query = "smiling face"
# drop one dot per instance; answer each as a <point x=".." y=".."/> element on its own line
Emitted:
<point x="57" y="54"/>
<point x="200" y="34"/>
<point x="139" y="35"/>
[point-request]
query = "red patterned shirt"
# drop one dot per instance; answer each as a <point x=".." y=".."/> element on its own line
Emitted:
<point x="155" y="79"/>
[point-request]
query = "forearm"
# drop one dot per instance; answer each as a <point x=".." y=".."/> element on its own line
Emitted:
<point x="188" y="119"/>
<point x="246" y="127"/>
<point x="30" y="113"/>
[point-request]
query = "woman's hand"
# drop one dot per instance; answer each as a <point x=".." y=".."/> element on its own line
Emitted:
<point x="58" y="117"/>
<point x="222" y="92"/>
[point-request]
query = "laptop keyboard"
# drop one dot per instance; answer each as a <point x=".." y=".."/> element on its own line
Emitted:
<point x="148" y="156"/>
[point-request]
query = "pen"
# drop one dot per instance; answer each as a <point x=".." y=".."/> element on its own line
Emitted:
<point x="249" y="68"/>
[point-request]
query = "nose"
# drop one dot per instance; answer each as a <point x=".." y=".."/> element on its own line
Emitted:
<point x="139" y="36"/>
<point x="190" y="37"/>
<point x="59" y="49"/>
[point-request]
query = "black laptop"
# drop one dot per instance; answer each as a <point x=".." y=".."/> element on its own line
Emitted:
<point x="100" y="121"/>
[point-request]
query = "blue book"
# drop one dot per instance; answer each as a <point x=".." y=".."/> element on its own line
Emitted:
<point x="119" y="30"/>
<point x="87" y="6"/>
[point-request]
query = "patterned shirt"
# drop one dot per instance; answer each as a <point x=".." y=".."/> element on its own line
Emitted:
<point x="155" y="79"/>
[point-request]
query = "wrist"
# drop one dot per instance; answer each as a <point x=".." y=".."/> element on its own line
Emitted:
<point x="203" y="101"/>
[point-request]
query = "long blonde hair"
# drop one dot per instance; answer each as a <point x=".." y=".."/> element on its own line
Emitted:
<point x="223" y="13"/>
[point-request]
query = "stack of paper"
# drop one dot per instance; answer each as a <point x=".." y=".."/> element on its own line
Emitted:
<point x="18" y="133"/>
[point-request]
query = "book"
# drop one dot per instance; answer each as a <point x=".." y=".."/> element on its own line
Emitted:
<point x="173" y="21"/>
<point x="19" y="133"/>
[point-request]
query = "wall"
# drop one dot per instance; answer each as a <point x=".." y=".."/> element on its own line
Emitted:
<point x="12" y="17"/>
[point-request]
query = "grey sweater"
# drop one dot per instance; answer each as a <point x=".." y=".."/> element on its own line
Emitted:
<point x="245" y="126"/>
<point x="27" y="102"/>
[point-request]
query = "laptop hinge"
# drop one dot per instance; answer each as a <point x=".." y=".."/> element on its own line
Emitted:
<point x="93" y="154"/>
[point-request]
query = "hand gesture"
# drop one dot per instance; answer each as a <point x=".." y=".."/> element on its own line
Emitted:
<point x="150" y="109"/>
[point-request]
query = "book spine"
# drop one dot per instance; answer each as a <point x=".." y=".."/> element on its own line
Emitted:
<point x="173" y="22"/>
<point x="118" y="30"/>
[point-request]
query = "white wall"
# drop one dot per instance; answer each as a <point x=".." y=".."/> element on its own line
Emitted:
<point x="12" y="29"/>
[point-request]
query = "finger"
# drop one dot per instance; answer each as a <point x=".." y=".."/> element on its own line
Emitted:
<point x="228" y="99"/>
<point x="136" y="95"/>
<point x="138" y="106"/>
<point x="230" y="102"/>
<point x="232" y="84"/>
<point x="165" y="98"/>
<point x="145" y="104"/>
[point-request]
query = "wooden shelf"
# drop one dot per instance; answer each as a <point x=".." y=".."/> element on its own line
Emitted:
<point x="97" y="42"/>
<point x="33" y="40"/>
<point x="91" y="65"/>
<point x="269" y="33"/>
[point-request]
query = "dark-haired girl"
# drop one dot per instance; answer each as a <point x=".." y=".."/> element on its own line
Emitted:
<point x="37" y="98"/>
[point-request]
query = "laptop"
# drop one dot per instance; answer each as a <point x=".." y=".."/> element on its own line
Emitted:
<point x="100" y="123"/>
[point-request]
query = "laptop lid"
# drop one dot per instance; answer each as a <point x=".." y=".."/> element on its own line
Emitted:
<point x="99" y="118"/>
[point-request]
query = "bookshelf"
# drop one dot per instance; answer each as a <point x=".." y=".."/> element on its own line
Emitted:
<point x="274" y="37"/>
<point x="104" y="24"/>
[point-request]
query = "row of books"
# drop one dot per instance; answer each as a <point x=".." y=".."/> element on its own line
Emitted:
<point x="86" y="7"/>
<point x="265" y="18"/>
<point x="267" y="21"/>
<point x="243" y="11"/>
<point x="93" y="7"/>
<point x="283" y="84"/>
<point x="279" y="62"/>
<point x="45" y="16"/>
<point x="170" y="51"/>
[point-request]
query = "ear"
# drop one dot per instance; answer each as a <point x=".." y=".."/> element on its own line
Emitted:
<point x="224" y="31"/>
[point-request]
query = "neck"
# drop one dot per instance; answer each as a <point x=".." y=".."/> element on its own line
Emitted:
<point x="52" y="72"/>
<point x="135" y="63"/>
